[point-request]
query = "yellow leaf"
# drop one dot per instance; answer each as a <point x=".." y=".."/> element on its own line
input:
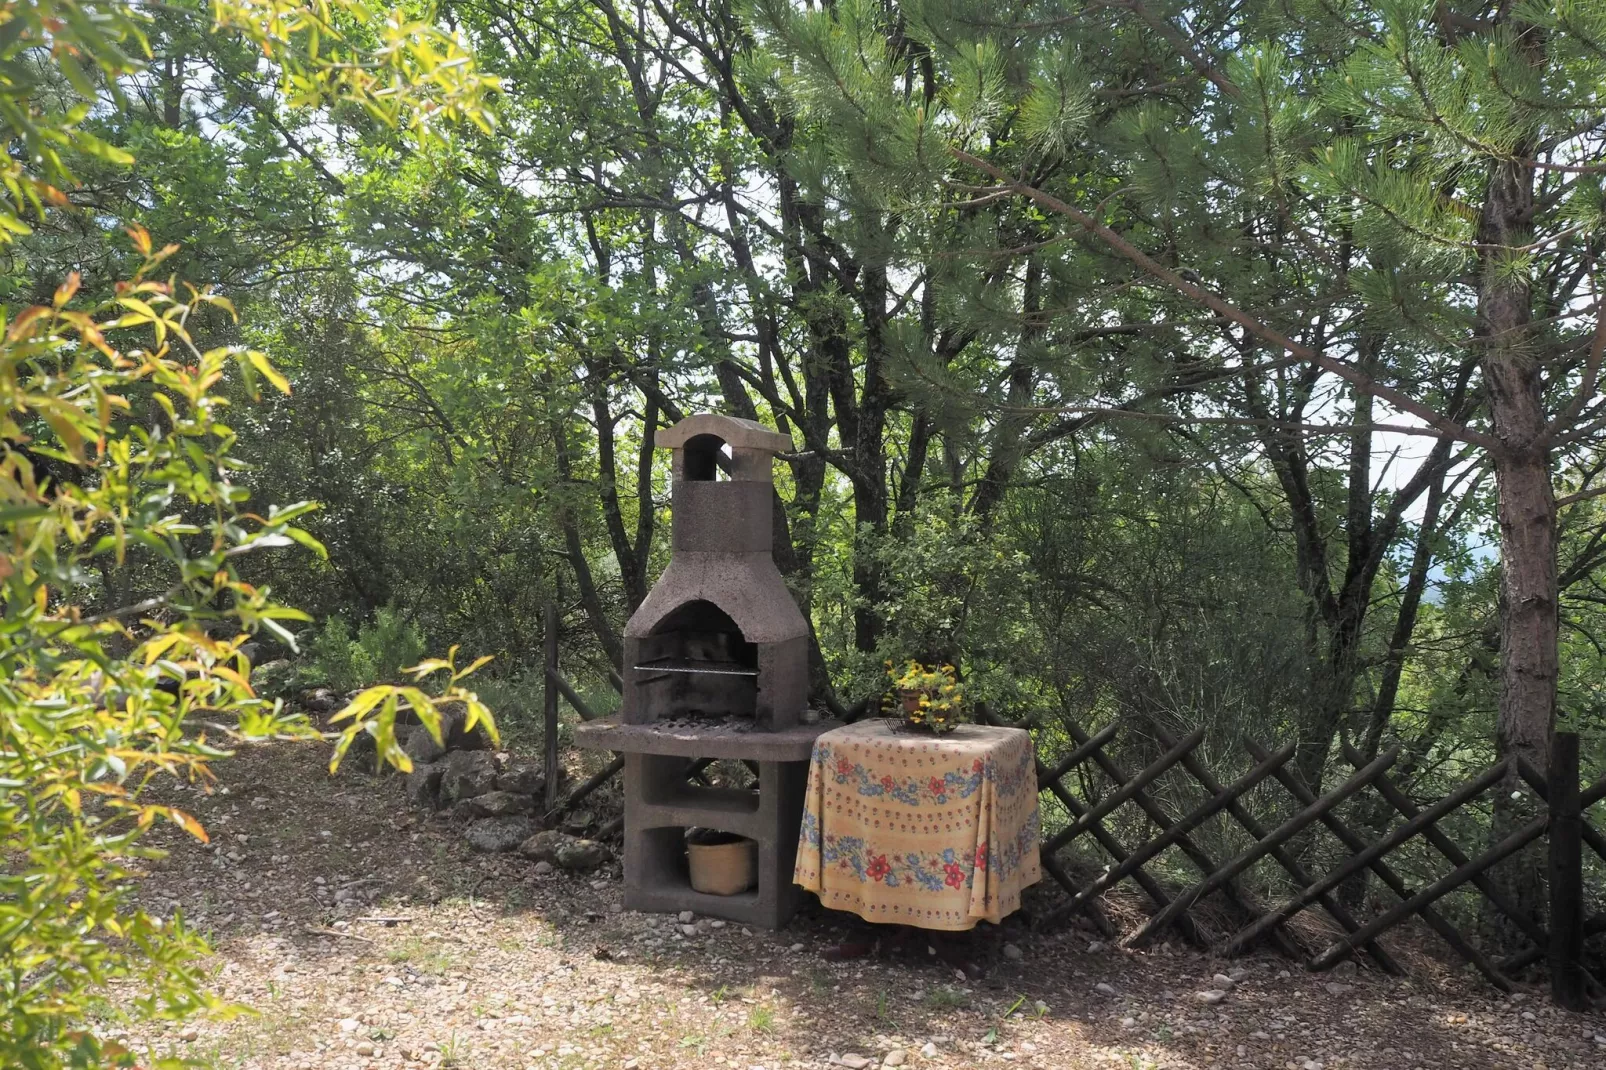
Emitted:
<point x="188" y="824"/>
<point x="260" y="362"/>
<point x="19" y="329"/>
<point x="65" y="291"/>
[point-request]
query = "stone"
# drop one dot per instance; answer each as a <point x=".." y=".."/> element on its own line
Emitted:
<point x="423" y="785"/>
<point x="189" y="1034"/>
<point x="1013" y="953"/>
<point x="855" y="1061"/>
<point x="543" y="846"/>
<point x="273" y="679"/>
<point x="422" y="748"/>
<point x="1104" y="988"/>
<point x="365" y="1048"/>
<point x="454" y="718"/>
<point x="578" y="822"/>
<point x="1211" y="995"/>
<point x="494" y="834"/>
<point x="686" y="917"/>
<point x="928" y="1050"/>
<point x="500" y="804"/>
<point x="895" y="1057"/>
<point x="583" y="856"/>
<point x="361" y="755"/>
<point x="688" y="931"/>
<point x="522" y="778"/>
<point x="468" y="775"/>
<point x="320" y="700"/>
<point x="1223" y="981"/>
<point x="1336" y="989"/>
<point x="349" y="1025"/>
<point x="560" y="849"/>
<point x="541" y="868"/>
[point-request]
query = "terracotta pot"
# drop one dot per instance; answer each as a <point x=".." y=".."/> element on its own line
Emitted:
<point x="721" y="868"/>
<point x="911" y="699"/>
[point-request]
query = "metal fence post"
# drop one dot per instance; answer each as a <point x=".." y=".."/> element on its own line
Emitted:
<point x="1566" y="875"/>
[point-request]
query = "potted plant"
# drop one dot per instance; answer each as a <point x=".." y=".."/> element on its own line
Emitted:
<point x="932" y="697"/>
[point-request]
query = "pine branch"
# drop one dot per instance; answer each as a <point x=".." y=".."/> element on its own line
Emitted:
<point x="1441" y="423"/>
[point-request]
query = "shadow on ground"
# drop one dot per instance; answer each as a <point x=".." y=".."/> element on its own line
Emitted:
<point x="364" y="936"/>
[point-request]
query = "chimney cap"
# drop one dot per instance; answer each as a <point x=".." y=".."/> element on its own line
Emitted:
<point x="734" y="432"/>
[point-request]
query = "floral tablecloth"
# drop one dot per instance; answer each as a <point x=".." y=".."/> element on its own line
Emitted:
<point x="909" y="828"/>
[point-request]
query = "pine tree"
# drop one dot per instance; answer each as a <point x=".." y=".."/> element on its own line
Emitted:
<point x="1390" y="212"/>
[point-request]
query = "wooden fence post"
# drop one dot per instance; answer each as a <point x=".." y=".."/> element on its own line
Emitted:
<point x="549" y="704"/>
<point x="1566" y="875"/>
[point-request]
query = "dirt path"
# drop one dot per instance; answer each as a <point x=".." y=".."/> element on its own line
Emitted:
<point x="362" y="937"/>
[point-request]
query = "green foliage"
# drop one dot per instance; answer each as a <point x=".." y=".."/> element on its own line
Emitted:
<point x="99" y="697"/>
<point x="58" y="57"/>
<point x="381" y="650"/>
<point x="125" y="598"/>
<point x="374" y="711"/>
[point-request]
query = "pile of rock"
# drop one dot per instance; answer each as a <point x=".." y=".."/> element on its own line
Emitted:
<point x="495" y="800"/>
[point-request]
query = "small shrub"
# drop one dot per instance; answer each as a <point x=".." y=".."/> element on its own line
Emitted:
<point x="387" y="646"/>
<point x="378" y="653"/>
<point x="331" y="655"/>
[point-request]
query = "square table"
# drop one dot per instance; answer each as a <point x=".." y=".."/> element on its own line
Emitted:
<point x="906" y="827"/>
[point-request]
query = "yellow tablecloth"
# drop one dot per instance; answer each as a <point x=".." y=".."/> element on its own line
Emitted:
<point x="915" y="829"/>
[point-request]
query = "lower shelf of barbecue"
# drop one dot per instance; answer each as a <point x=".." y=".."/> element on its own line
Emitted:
<point x="713" y="739"/>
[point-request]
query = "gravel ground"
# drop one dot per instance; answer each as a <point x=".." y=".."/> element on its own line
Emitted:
<point x="360" y="936"/>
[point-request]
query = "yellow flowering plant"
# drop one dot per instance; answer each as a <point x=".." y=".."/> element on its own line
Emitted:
<point x="932" y="696"/>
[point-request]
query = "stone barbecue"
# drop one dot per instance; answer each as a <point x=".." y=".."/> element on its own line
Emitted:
<point x="716" y="666"/>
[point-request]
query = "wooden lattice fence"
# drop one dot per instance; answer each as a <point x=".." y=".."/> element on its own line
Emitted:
<point x="1187" y="842"/>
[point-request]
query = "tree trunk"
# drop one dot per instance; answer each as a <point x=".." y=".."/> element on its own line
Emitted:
<point x="1529" y="662"/>
<point x="1529" y="658"/>
<point x="1527" y="504"/>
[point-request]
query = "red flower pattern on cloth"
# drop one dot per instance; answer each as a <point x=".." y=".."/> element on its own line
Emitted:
<point x="878" y="867"/>
<point x="954" y="875"/>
